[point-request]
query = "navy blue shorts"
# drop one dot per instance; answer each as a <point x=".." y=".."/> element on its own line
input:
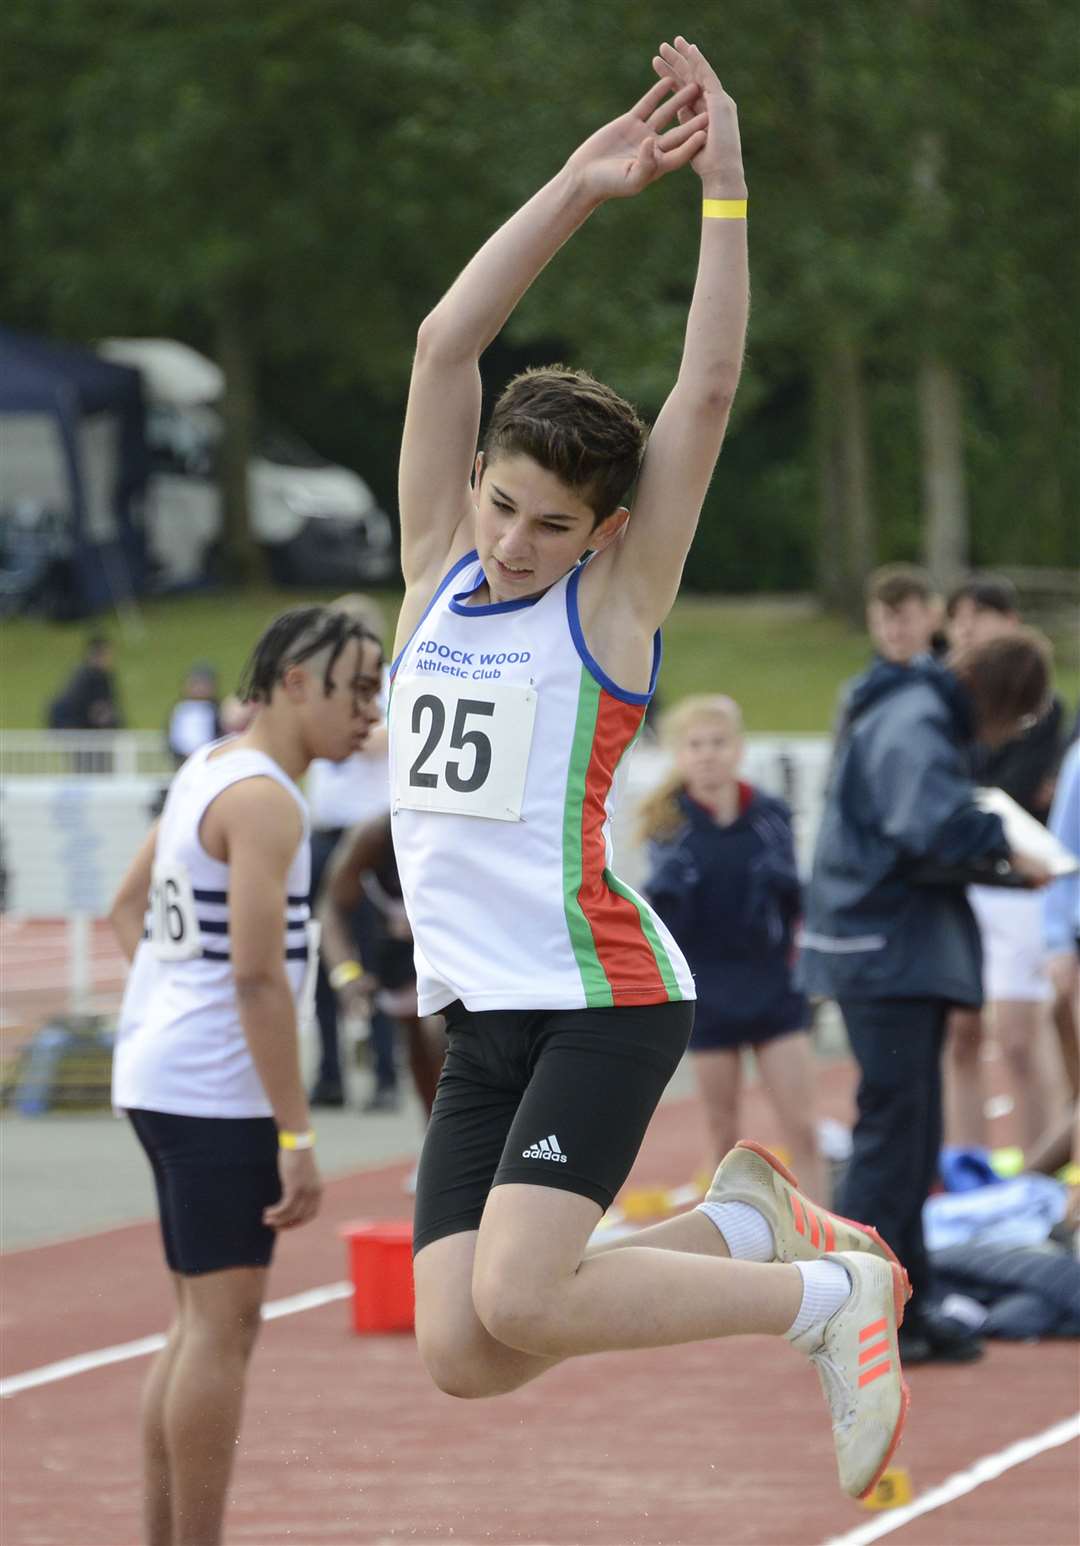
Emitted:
<point x="550" y="1097"/>
<point x="214" y="1176"/>
<point x="713" y="1033"/>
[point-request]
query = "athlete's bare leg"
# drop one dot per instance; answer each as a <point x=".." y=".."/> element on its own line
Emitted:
<point x="787" y="1071"/>
<point x="532" y="1289"/>
<point x="460" y="1354"/>
<point x="719" y="1081"/>
<point x="692" y="1231"/>
<point x="204" y="1395"/>
<point x="497" y="1307"/>
<point x="1022" y="1033"/>
<point x="157" y="1484"/>
<point x="1064" y="1016"/>
<point x="965" y="1084"/>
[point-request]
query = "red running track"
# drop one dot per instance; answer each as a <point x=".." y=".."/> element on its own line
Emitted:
<point x="345" y="1440"/>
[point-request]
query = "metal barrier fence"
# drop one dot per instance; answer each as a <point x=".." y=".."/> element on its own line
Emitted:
<point x="59" y="753"/>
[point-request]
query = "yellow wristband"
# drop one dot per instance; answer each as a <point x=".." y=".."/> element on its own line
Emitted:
<point x="723" y="209"/>
<point x="1070" y="1174"/>
<point x="344" y="973"/>
<point x="295" y="1140"/>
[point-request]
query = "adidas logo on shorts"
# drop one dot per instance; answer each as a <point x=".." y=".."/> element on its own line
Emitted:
<point x="546" y="1149"/>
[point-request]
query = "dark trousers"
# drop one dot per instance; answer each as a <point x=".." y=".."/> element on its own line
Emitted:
<point x="367" y="930"/>
<point x="897" y="1044"/>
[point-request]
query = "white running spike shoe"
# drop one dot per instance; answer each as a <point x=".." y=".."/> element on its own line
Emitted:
<point x="801" y="1230"/>
<point x="858" y="1363"/>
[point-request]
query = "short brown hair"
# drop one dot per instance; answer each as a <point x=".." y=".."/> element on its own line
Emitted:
<point x="575" y="427"/>
<point x="894" y="584"/>
<point x="1007" y="679"/>
<point x="987" y="593"/>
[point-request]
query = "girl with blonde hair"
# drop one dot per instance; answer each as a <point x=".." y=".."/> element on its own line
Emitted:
<point x="724" y="880"/>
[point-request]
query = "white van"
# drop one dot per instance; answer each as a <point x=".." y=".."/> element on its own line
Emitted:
<point x="319" y="522"/>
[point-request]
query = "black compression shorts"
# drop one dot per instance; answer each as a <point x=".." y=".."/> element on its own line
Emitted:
<point x="556" y="1097"/>
<point x="214" y="1176"/>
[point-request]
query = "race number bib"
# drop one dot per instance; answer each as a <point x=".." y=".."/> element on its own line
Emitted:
<point x="174" y="928"/>
<point x="462" y="747"/>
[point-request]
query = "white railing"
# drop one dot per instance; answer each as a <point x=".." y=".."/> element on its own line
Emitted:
<point x="103" y="753"/>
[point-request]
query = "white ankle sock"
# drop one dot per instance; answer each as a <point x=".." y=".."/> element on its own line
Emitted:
<point x="825" y="1287"/>
<point x="745" y="1231"/>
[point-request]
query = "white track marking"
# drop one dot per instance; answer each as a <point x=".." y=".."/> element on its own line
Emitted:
<point x="82" y="1363"/>
<point x="956" y="1486"/>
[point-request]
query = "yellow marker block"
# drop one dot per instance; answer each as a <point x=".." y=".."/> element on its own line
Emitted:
<point x="892" y="1491"/>
<point x="648" y="1202"/>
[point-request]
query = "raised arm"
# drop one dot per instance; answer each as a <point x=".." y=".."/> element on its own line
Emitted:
<point x="685" y="442"/>
<point x="443" y="414"/>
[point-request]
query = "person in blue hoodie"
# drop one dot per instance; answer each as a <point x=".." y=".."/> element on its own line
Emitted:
<point x="888" y="931"/>
<point x="724" y="880"/>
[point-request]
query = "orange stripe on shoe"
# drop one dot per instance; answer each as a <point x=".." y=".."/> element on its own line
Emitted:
<point x="873" y="1330"/>
<point x="797" y="1213"/>
<point x="873" y="1374"/>
<point x="830" y="1233"/>
<point x="868" y="1354"/>
<point x="815" y="1228"/>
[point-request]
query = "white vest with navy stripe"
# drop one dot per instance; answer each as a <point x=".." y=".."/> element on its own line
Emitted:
<point x="507" y="746"/>
<point x="180" y="1045"/>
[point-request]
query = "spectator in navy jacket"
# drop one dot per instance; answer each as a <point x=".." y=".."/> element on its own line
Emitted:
<point x="723" y="878"/>
<point x="889" y="933"/>
<point x="1015" y="981"/>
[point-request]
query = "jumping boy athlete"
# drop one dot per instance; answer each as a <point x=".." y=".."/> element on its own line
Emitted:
<point x="213" y="914"/>
<point x="522" y="679"/>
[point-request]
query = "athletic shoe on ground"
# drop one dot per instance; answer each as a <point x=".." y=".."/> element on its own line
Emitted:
<point x="858" y="1364"/>
<point x="933" y="1337"/>
<point x="327" y="1093"/>
<point x="801" y="1230"/>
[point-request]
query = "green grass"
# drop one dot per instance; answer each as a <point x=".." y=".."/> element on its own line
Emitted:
<point x="779" y="657"/>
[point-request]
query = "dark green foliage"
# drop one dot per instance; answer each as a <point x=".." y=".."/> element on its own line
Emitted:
<point x="315" y="173"/>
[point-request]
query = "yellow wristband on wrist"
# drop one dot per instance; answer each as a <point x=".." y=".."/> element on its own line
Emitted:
<point x="1070" y="1174"/>
<point x="344" y="973"/>
<point x="295" y="1140"/>
<point x="723" y="209"/>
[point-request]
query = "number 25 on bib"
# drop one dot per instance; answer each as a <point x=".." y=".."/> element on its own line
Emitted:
<point x="460" y="748"/>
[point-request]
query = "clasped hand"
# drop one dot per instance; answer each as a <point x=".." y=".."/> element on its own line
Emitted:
<point x="636" y="149"/>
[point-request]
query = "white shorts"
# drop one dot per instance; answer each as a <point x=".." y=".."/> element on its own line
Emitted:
<point x="1013" y="951"/>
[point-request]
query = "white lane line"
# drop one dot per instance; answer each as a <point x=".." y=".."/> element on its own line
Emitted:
<point x="82" y="1363"/>
<point x="954" y="1487"/>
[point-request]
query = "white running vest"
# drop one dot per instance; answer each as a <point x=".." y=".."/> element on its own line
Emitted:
<point x="506" y="739"/>
<point x="180" y="1045"/>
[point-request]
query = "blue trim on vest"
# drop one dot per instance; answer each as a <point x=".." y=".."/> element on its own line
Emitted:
<point x="296" y="953"/>
<point x="221" y="898"/>
<point x="443" y="583"/>
<point x="591" y="664"/>
<point x="490" y="608"/>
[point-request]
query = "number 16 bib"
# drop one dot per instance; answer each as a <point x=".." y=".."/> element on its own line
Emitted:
<point x="463" y="747"/>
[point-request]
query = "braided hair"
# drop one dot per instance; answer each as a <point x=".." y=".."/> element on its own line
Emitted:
<point x="294" y="637"/>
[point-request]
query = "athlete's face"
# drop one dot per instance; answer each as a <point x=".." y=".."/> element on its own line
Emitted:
<point x="970" y="624"/>
<point x="708" y="757"/>
<point x="337" y="723"/>
<point x="531" y="528"/>
<point x="901" y="632"/>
